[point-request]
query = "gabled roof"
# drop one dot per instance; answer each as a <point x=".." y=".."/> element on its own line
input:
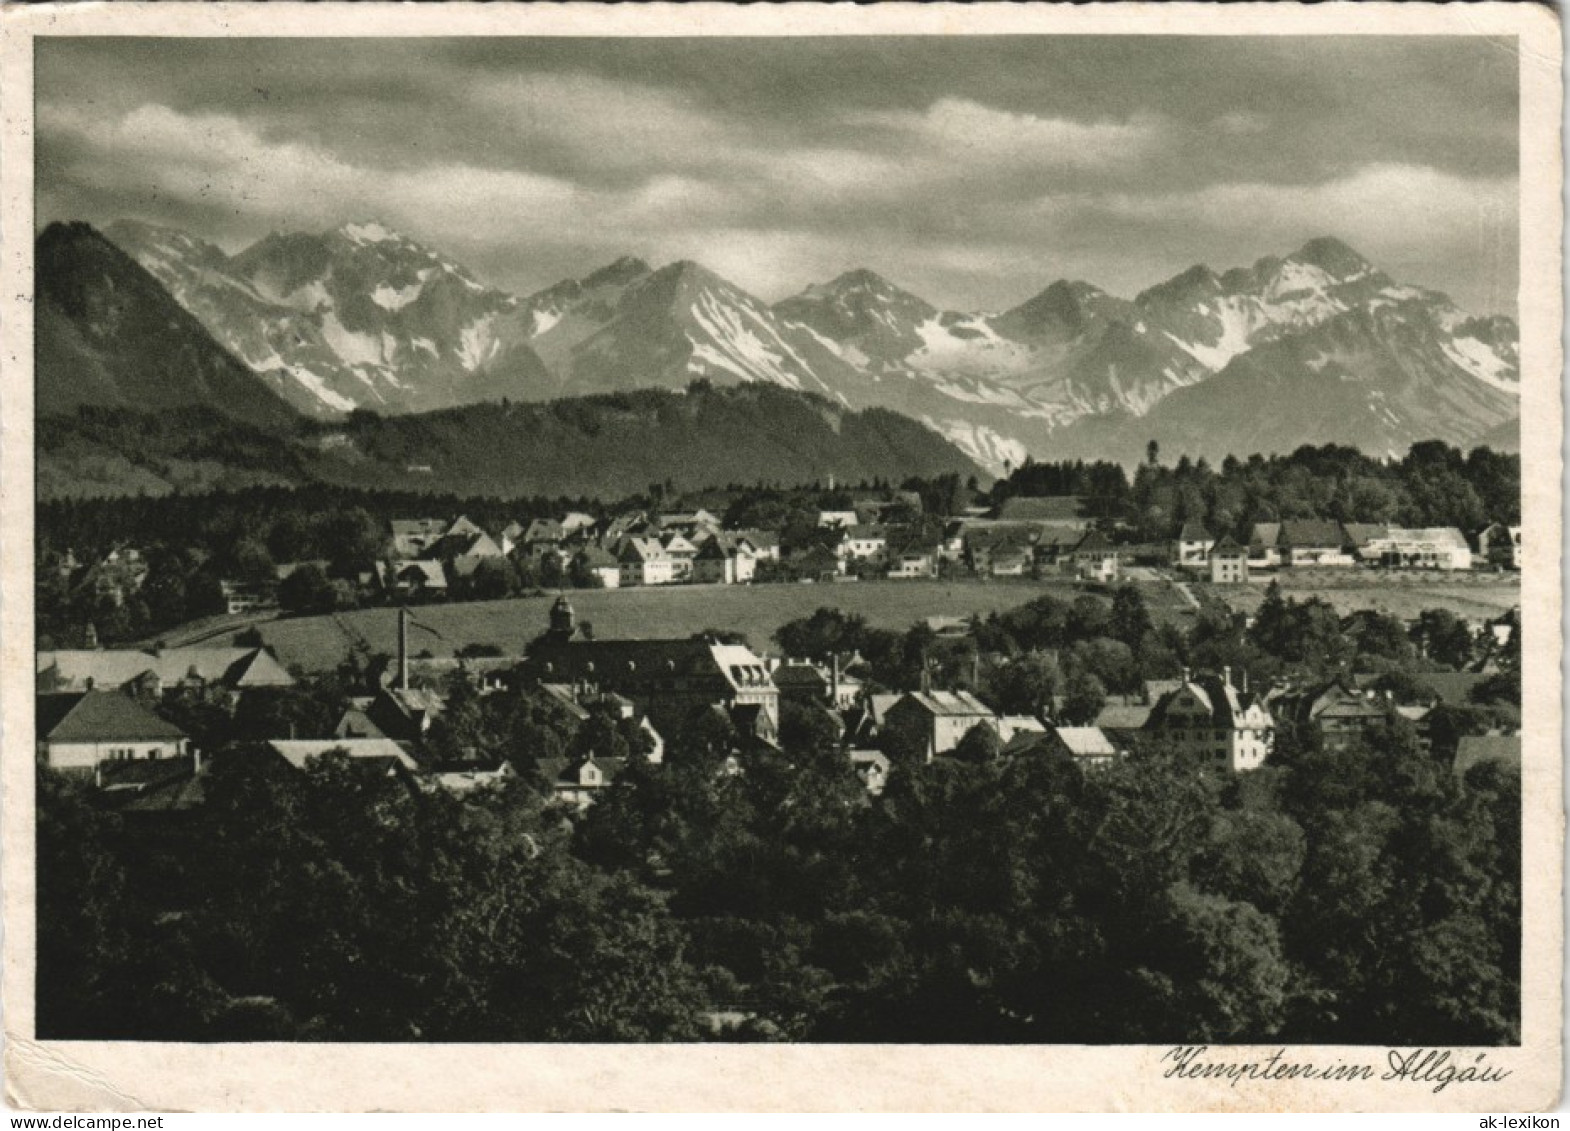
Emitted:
<point x="1265" y="534"/>
<point x="1228" y="547"/>
<point x="1362" y="533"/>
<point x="952" y="704"/>
<point x="1193" y="532"/>
<point x="101" y="716"/>
<point x="232" y="667"/>
<point x="1094" y="543"/>
<point x="299" y="752"/>
<point x="1311" y="532"/>
<point x="1225" y="703"/>
<point x="594" y="556"/>
<point x="1085" y="742"/>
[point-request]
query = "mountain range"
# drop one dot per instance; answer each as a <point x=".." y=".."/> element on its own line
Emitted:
<point x="1318" y="346"/>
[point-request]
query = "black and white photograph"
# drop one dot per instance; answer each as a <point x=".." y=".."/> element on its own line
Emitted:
<point x="851" y="539"/>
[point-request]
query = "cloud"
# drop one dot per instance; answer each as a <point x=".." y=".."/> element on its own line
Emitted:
<point x="1001" y="137"/>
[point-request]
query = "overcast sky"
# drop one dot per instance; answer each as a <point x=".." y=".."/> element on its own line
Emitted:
<point x="971" y="170"/>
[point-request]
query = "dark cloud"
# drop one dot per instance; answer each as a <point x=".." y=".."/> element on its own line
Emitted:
<point x="973" y="169"/>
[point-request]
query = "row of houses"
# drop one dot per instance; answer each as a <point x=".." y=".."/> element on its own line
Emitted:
<point x="1315" y="543"/>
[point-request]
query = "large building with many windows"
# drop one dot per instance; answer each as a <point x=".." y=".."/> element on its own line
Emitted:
<point x="1206" y="715"/>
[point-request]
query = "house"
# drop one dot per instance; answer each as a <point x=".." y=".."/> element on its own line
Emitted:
<point x="1342" y="715"/>
<point x="575" y="524"/>
<point x="1191" y="548"/>
<point x="405" y="713"/>
<point x="577" y="781"/>
<point x="682" y="553"/>
<point x="817" y="684"/>
<point x="1264" y="550"/>
<point x="1012" y="726"/>
<point x="160" y="669"/>
<point x="413" y="581"/>
<point x="1228" y="562"/>
<point x="464" y="777"/>
<point x="1498" y="544"/>
<point x="463" y="553"/>
<point x="1500" y="748"/>
<point x="1313" y="542"/>
<point x="837" y="518"/>
<point x="690" y="522"/>
<point x="913" y="557"/>
<point x="412" y="537"/>
<point x="78" y="730"/>
<point x="1440" y="548"/>
<point x="643" y="561"/>
<point x="1089" y="747"/>
<point x="541" y="532"/>
<point x="1094" y="558"/>
<point x="941" y="718"/>
<point x="669" y="680"/>
<point x="462" y="526"/>
<point x="596" y="565"/>
<point x="817" y="563"/>
<point x="1000" y="552"/>
<point x="872" y="767"/>
<point x="765" y="544"/>
<point x="864" y="542"/>
<point x="724" y="559"/>
<point x="1208" y="717"/>
<point x="383" y="754"/>
<point x="247" y="597"/>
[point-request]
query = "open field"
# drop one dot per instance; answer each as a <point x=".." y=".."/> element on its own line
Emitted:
<point x="1473" y="597"/>
<point x="756" y="610"/>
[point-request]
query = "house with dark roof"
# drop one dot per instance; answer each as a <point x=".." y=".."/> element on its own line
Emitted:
<point x="1313" y="542"/>
<point x="1228" y="562"/>
<point x="1342" y="715"/>
<point x="596" y="562"/>
<point x="724" y="559"/>
<point x="1208" y="717"/>
<point x="669" y="680"/>
<point x="76" y="731"/>
<point x="577" y="781"/>
<point x="1095" y="558"/>
<point x="421" y="579"/>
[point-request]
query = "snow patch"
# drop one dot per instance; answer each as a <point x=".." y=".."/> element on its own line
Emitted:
<point x="319" y="389"/>
<point x="478" y="343"/>
<point x="1480" y="361"/>
<point x="369" y="233"/>
<point x="352" y="346"/>
<point x="543" y="321"/>
<point x="396" y="298"/>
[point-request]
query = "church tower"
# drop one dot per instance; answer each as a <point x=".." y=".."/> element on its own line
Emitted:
<point x="562" y="622"/>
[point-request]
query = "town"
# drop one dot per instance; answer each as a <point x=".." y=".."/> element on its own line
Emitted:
<point x="1122" y="653"/>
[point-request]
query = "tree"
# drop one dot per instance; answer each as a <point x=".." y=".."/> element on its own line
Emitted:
<point x="1153" y="453"/>
<point x="1025" y="685"/>
<point x="1444" y="638"/>
<point x="1130" y="620"/>
<point x="306" y="591"/>
<point x="1083" y="698"/>
<point x="979" y="745"/>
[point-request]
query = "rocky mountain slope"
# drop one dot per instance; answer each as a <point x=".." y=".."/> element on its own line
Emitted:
<point x="107" y="334"/>
<point x="364" y="317"/>
<point x="359" y="317"/>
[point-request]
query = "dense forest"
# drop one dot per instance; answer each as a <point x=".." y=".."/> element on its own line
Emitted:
<point x="1434" y="484"/>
